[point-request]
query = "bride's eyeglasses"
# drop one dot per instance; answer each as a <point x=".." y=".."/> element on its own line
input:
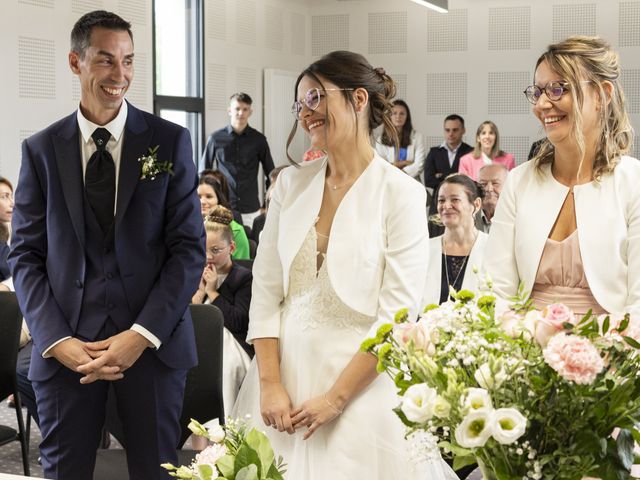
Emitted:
<point x="312" y="100"/>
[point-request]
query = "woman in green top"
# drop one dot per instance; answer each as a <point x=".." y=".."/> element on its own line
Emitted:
<point x="211" y="195"/>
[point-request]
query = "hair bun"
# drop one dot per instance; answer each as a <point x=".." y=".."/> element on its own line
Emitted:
<point x="220" y="214"/>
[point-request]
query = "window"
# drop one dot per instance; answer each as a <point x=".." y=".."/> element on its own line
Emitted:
<point x="178" y="93"/>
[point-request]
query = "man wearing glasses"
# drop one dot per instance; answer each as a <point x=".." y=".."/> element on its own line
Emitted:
<point x="238" y="150"/>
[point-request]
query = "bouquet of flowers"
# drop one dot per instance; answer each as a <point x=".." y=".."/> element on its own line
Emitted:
<point x="526" y="394"/>
<point x="236" y="452"/>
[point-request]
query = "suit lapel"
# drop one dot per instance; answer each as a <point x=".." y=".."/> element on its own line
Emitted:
<point x="137" y="136"/>
<point x="66" y="146"/>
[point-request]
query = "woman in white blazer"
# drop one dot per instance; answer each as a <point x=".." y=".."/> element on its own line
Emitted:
<point x="345" y="246"/>
<point x="411" y="153"/>
<point x="455" y="255"/>
<point x="567" y="223"/>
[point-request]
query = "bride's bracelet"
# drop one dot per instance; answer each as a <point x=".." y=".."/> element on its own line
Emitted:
<point x="332" y="406"/>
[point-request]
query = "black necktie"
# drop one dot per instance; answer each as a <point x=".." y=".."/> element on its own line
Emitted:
<point x="100" y="180"/>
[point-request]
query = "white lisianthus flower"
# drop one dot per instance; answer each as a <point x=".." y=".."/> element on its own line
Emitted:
<point x="417" y="403"/>
<point x="477" y="399"/>
<point x="507" y="425"/>
<point x="216" y="433"/>
<point x="475" y="429"/>
<point x="441" y="408"/>
<point x="488" y="379"/>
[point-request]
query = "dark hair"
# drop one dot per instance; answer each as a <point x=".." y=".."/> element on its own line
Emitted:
<point x="81" y="32"/>
<point x="241" y="97"/>
<point x="454" y="116"/>
<point x="349" y="70"/>
<point x="7" y="183"/>
<point x="407" y="129"/>
<point x="217" y="189"/>
<point x="219" y="220"/>
<point x="273" y="174"/>
<point x="219" y="178"/>
<point x="472" y="188"/>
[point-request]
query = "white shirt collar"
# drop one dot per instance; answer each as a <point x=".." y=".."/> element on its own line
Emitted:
<point x="115" y="126"/>
<point x="446" y="145"/>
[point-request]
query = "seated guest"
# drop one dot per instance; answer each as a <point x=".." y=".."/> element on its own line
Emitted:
<point x="258" y="222"/>
<point x="487" y="151"/>
<point x="227" y="286"/>
<point x="453" y="255"/>
<point x="411" y="152"/>
<point x="491" y="178"/>
<point x="223" y="183"/>
<point x="211" y="195"/>
<point x="6" y="210"/>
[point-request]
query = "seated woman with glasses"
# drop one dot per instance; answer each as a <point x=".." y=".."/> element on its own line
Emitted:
<point x="227" y="285"/>
<point x="486" y="152"/>
<point x="410" y="154"/>
<point x="455" y="255"/>
<point x="568" y="222"/>
<point x="211" y="195"/>
<point x="345" y="246"/>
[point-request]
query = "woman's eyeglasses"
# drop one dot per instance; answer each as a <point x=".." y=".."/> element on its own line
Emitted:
<point x="312" y="99"/>
<point x="217" y="250"/>
<point x="553" y="90"/>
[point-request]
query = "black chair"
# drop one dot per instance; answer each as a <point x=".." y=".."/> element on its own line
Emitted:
<point x="247" y="230"/>
<point x="10" y="326"/>
<point x="244" y="263"/>
<point x="253" y="248"/>
<point x="203" y="399"/>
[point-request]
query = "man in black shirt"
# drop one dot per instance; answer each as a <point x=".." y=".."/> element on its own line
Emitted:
<point x="237" y="150"/>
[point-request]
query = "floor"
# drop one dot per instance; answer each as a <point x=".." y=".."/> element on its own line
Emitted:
<point x="10" y="454"/>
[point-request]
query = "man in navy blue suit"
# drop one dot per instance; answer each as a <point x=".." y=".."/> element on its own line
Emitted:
<point x="106" y="253"/>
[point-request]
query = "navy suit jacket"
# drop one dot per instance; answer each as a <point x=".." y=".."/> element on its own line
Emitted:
<point x="159" y="237"/>
<point x="438" y="162"/>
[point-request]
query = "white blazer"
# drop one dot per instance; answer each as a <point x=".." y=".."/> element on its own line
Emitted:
<point x="377" y="254"/>
<point x="608" y="219"/>
<point x="416" y="153"/>
<point x="434" y="275"/>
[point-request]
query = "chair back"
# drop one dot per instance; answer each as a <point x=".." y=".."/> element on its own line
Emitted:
<point x="10" y="326"/>
<point x="244" y="263"/>
<point x="203" y="399"/>
<point x="253" y="248"/>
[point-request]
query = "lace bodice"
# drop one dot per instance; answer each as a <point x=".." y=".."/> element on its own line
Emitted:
<point x="311" y="296"/>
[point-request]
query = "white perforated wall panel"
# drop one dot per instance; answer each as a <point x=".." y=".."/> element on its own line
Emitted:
<point x="328" y="33"/>
<point x="446" y="93"/>
<point x="216" y="12"/>
<point x="388" y="32"/>
<point x="510" y="28"/>
<point x="135" y="11"/>
<point x="246" y="81"/>
<point x="298" y="33"/>
<point x="245" y="22"/>
<point x="38" y="3"/>
<point x="516" y="145"/>
<point x="630" y="80"/>
<point x="83" y="6"/>
<point x="505" y="93"/>
<point x="629" y="24"/>
<point x="570" y="19"/>
<point x="401" y="85"/>
<point x="36" y="68"/>
<point x="274" y="24"/>
<point x="447" y="33"/>
<point x="217" y="87"/>
<point x="139" y="91"/>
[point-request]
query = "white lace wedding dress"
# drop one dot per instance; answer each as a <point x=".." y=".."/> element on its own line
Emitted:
<point x="319" y="335"/>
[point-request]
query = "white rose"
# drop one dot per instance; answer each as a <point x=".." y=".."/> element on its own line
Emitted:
<point x="216" y="433"/>
<point x="477" y="399"/>
<point x="475" y="429"/>
<point x="488" y="379"/>
<point x="507" y="425"/>
<point x="441" y="407"/>
<point x="417" y="403"/>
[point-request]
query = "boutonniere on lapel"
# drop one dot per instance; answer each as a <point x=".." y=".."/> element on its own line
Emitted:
<point x="152" y="167"/>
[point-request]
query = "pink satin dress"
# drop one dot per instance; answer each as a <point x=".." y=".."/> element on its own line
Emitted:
<point x="561" y="279"/>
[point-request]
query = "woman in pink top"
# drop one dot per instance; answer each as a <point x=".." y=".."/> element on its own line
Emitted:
<point x="486" y="152"/>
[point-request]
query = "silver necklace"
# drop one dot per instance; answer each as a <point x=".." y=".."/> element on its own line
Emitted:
<point x="464" y="262"/>
<point x="336" y="187"/>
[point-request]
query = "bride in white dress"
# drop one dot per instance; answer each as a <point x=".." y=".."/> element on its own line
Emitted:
<point x="344" y="247"/>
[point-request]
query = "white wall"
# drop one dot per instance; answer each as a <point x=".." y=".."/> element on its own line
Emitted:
<point x="36" y="83"/>
<point x="477" y="59"/>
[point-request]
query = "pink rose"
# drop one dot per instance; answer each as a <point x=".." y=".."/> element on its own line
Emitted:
<point x="575" y="358"/>
<point x="553" y="318"/>
<point x="422" y="337"/>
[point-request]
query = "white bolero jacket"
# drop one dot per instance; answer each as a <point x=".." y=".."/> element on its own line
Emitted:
<point x="377" y="254"/>
<point x="416" y="152"/>
<point x="608" y="219"/>
<point x="434" y="275"/>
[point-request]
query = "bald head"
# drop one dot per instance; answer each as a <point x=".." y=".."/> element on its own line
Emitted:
<point x="491" y="178"/>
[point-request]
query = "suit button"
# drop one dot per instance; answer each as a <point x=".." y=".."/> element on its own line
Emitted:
<point x="109" y="275"/>
<point x="78" y="284"/>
